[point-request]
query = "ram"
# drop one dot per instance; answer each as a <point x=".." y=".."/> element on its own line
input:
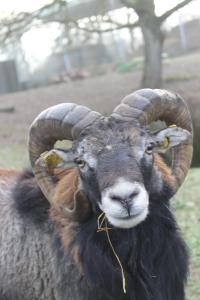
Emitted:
<point x="94" y="221"/>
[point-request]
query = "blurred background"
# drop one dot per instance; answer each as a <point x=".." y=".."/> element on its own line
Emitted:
<point x="94" y="52"/>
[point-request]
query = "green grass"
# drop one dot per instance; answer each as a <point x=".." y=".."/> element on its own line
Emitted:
<point x="13" y="156"/>
<point x="187" y="209"/>
<point x="16" y="155"/>
<point x="186" y="205"/>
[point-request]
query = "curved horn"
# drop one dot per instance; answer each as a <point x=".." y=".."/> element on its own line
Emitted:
<point x="61" y="122"/>
<point x="149" y="105"/>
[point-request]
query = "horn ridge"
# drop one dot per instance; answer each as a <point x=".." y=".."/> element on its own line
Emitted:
<point x="64" y="121"/>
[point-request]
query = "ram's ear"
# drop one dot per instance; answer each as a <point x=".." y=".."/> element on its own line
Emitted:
<point x="170" y="137"/>
<point x="57" y="158"/>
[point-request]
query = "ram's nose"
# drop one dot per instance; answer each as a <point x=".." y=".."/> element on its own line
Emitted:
<point x="125" y="198"/>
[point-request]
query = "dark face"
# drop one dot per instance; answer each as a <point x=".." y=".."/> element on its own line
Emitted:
<point x="111" y="159"/>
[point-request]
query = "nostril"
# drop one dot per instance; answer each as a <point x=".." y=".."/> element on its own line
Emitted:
<point x="134" y="194"/>
<point x="116" y="198"/>
<point x="126" y="198"/>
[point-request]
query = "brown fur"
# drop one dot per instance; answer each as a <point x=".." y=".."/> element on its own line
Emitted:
<point x="67" y="181"/>
<point x="165" y="171"/>
<point x="64" y="196"/>
<point x="6" y="173"/>
<point x="66" y="229"/>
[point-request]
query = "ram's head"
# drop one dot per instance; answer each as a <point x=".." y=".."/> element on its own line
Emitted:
<point x="115" y="158"/>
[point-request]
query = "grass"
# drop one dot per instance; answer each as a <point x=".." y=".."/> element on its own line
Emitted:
<point x="13" y="156"/>
<point x="186" y="205"/>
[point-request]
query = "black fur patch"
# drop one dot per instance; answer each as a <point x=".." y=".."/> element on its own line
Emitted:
<point x="153" y="256"/>
<point x="29" y="199"/>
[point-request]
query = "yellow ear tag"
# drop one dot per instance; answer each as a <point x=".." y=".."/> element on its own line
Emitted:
<point x="172" y="126"/>
<point x="51" y="159"/>
<point x="165" y="143"/>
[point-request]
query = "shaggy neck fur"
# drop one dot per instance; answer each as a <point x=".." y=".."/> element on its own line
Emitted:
<point x="153" y="256"/>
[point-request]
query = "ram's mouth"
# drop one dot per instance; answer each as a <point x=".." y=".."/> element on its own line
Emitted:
<point x="129" y="217"/>
<point x="128" y="221"/>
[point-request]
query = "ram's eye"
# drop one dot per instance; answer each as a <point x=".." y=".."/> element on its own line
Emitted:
<point x="80" y="162"/>
<point x="149" y="149"/>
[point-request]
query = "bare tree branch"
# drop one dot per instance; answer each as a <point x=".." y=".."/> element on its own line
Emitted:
<point x="95" y="30"/>
<point x="172" y="10"/>
<point x="16" y="25"/>
<point x="57" y="12"/>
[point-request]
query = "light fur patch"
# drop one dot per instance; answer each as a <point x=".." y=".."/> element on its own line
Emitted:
<point x="116" y="213"/>
<point x="91" y="161"/>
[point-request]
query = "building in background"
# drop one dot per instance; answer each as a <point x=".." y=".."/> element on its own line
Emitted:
<point x="8" y="77"/>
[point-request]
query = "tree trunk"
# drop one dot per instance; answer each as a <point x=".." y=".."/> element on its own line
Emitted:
<point x="153" y="45"/>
